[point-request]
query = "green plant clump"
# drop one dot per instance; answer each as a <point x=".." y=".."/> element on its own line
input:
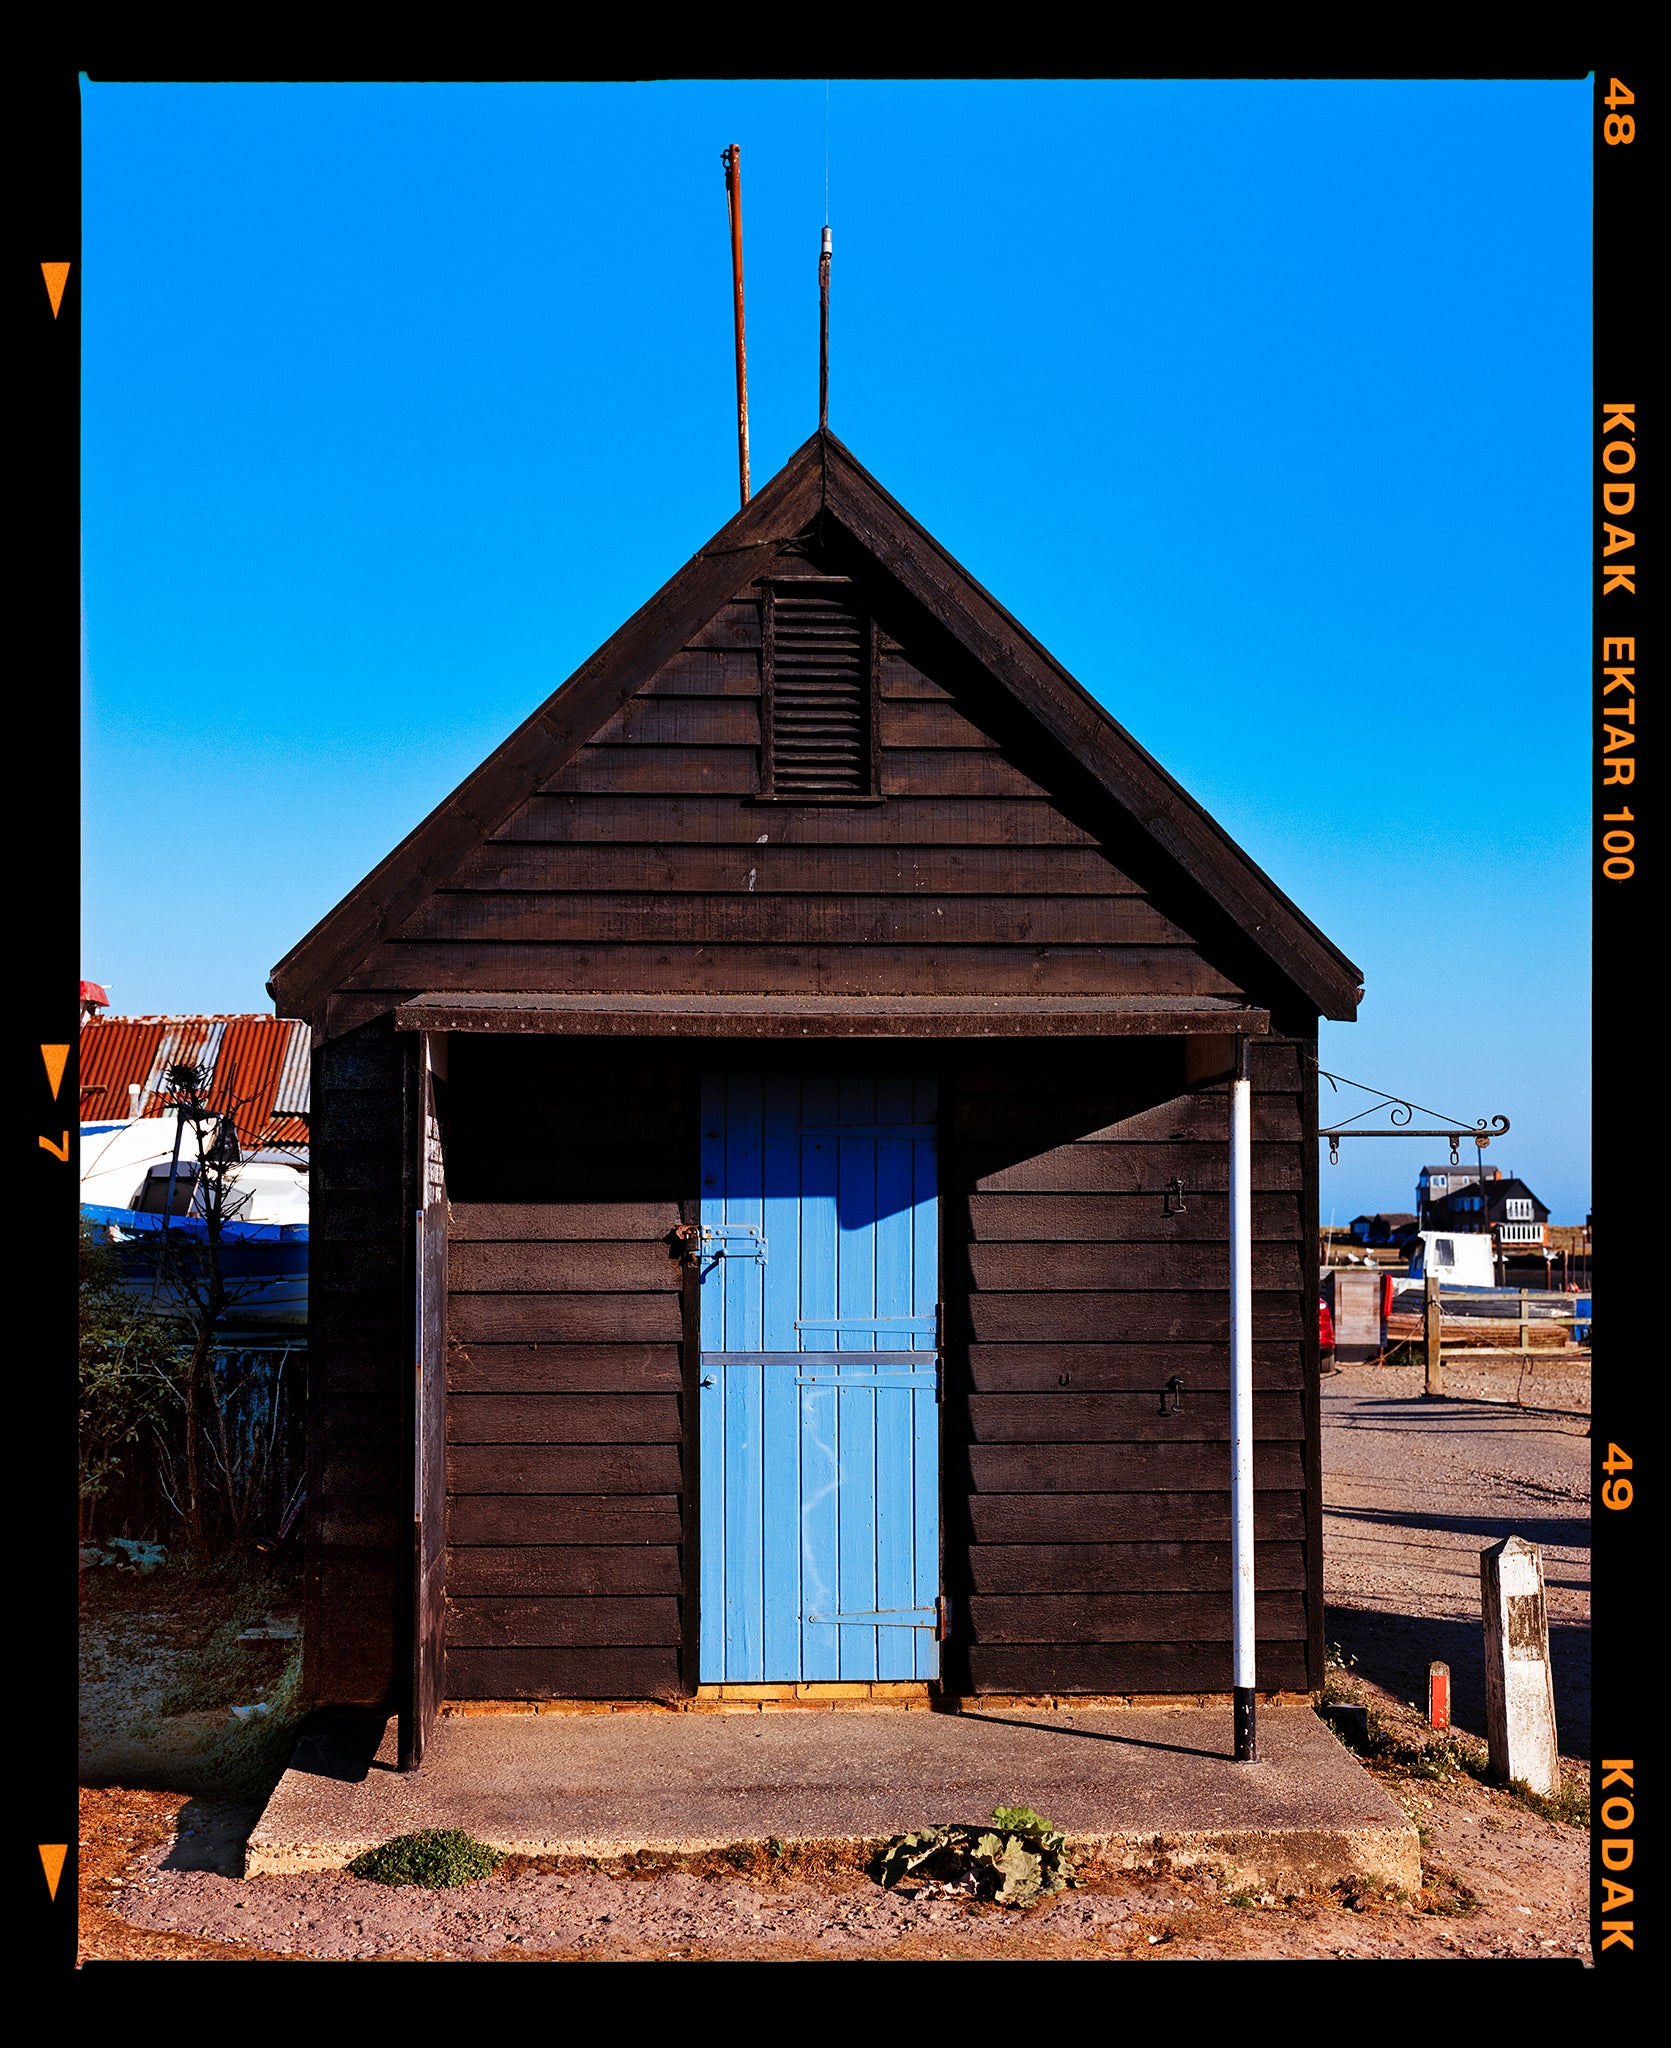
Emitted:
<point x="1017" y="1860"/>
<point x="435" y="1858"/>
<point x="1338" y="1682"/>
<point x="1571" y="1804"/>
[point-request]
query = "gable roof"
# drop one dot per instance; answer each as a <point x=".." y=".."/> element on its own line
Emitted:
<point x="1494" y="1193"/>
<point x="821" y="478"/>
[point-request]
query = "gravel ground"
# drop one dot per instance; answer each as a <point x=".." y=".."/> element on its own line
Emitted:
<point x="673" y="1914"/>
<point x="1499" y="1882"/>
<point x="1413" y="1490"/>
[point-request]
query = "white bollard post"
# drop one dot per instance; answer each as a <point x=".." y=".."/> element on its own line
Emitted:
<point x="1519" y="1686"/>
<point x="1242" y="1615"/>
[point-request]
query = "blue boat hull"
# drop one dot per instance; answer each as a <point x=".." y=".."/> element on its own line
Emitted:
<point x="265" y="1265"/>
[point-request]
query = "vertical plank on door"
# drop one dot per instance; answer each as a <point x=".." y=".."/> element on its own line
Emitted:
<point x="925" y="1301"/>
<point x="711" y="1573"/>
<point x="780" y="1406"/>
<point x="822" y="1495"/>
<point x="819" y="1411"/>
<point x="744" y="1445"/>
<point x="895" y="1435"/>
<point x="856" y="1407"/>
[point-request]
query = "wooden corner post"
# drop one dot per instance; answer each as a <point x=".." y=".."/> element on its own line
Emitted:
<point x="420" y="1699"/>
<point x="1433" y="1330"/>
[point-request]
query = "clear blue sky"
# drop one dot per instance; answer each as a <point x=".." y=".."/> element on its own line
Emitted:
<point x="1265" y="406"/>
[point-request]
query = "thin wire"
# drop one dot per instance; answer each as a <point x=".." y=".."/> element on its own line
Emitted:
<point x="826" y="152"/>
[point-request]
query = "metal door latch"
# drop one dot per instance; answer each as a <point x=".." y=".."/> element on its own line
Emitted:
<point x="719" y="1240"/>
<point x="732" y="1240"/>
<point x="1171" y="1394"/>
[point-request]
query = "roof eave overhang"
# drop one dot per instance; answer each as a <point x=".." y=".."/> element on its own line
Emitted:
<point x="827" y="1017"/>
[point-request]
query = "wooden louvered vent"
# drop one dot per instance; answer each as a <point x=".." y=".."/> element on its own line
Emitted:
<point x="818" y="690"/>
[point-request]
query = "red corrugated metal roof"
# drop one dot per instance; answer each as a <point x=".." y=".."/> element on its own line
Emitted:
<point x="115" y="1052"/>
<point x="247" y="1056"/>
<point x="295" y="1076"/>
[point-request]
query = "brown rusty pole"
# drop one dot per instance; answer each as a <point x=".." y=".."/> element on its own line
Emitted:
<point x="732" y="158"/>
<point x="824" y="334"/>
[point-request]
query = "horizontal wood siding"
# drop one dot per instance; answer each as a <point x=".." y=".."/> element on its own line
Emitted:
<point x="647" y="862"/>
<point x="1086" y="1249"/>
<point x="565" y="1450"/>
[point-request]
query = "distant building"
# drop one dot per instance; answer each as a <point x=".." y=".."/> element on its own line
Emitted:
<point x="1517" y="1220"/>
<point x="1395" y="1227"/>
<point x="256" y="1066"/>
<point x="1438" y="1183"/>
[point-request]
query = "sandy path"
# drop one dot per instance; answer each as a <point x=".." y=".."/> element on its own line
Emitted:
<point x="1413" y="1491"/>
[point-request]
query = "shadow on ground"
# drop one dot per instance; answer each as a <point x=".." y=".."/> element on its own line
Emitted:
<point x="1394" y="1651"/>
<point x="210" y="1835"/>
<point x="1571" y="1531"/>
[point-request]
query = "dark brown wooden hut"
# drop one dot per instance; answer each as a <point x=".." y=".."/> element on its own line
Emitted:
<point x="822" y="835"/>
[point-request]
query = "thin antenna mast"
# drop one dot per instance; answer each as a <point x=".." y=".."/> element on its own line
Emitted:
<point x="824" y="284"/>
<point x="824" y="334"/>
<point x="732" y="159"/>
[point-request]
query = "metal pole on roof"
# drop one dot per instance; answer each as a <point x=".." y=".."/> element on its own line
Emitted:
<point x="1243" y="1657"/>
<point x="732" y="158"/>
<point x="824" y="332"/>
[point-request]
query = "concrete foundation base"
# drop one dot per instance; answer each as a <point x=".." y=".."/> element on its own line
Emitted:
<point x="1140" y="1785"/>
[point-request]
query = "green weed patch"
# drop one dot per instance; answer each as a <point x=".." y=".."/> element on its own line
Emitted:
<point x="1019" y="1859"/>
<point x="435" y="1858"/>
<point x="1570" y="1805"/>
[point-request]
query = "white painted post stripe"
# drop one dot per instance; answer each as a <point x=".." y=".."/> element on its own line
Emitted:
<point x="1241" y="1377"/>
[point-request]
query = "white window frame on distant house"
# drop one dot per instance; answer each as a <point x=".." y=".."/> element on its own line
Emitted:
<point x="1517" y="1209"/>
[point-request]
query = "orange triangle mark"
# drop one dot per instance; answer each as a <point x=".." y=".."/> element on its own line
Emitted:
<point x="55" y="1057"/>
<point x="57" y="275"/>
<point x="52" y="1862"/>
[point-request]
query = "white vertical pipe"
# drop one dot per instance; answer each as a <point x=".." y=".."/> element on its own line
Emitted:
<point x="1241" y="1399"/>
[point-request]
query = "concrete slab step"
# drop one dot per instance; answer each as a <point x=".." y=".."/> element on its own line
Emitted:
<point x="1138" y="1785"/>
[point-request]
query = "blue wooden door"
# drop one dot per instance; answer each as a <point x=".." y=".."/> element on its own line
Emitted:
<point x="820" y="1277"/>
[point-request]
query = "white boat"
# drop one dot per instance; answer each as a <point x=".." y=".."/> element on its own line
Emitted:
<point x="141" y="1178"/>
<point x="1459" y="1258"/>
